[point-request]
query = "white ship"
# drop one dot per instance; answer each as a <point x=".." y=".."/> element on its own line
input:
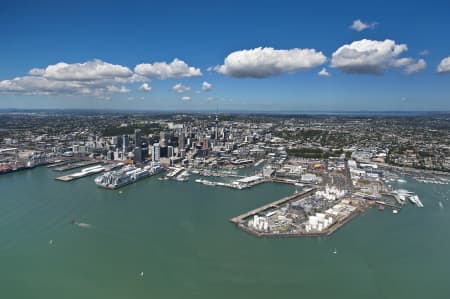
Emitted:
<point x="415" y="200"/>
<point x="126" y="175"/>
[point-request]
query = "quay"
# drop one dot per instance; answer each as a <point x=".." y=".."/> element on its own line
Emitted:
<point x="86" y="172"/>
<point x="62" y="162"/>
<point x="240" y="184"/>
<point x="329" y="231"/>
<point x="395" y="196"/>
<point x="73" y="165"/>
<point x="388" y="204"/>
<point x="274" y="204"/>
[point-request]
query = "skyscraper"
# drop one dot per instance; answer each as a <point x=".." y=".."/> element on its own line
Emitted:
<point x="170" y="151"/>
<point x="125" y="143"/>
<point x="138" y="137"/>
<point x="216" y="136"/>
<point x="138" y="157"/>
<point x="162" y="139"/>
<point x="181" y="141"/>
<point x="155" y="152"/>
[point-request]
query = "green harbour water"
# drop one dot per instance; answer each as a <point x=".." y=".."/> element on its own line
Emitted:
<point x="179" y="235"/>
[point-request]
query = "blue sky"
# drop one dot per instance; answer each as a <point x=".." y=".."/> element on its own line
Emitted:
<point x="390" y="65"/>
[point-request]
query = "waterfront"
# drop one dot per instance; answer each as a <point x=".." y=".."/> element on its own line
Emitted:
<point x="179" y="235"/>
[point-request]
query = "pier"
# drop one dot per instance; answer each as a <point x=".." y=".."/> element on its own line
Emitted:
<point x="74" y="165"/>
<point x="388" y="204"/>
<point x="274" y="204"/>
<point x="86" y="172"/>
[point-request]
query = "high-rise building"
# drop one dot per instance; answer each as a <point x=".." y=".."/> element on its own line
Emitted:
<point x="182" y="153"/>
<point x="170" y="151"/>
<point x="216" y="135"/>
<point x="138" y="137"/>
<point x="181" y="141"/>
<point x="155" y="152"/>
<point x="162" y="139"/>
<point x="138" y="157"/>
<point x="205" y="144"/>
<point x="125" y="143"/>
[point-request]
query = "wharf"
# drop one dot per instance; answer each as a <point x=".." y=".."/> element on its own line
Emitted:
<point x="333" y="228"/>
<point x="231" y="185"/>
<point x="388" y="204"/>
<point x="274" y="204"/>
<point x="61" y="163"/>
<point x="73" y="165"/>
<point x="82" y="174"/>
<point x="396" y="197"/>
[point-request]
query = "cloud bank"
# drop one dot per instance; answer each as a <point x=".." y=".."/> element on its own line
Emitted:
<point x="266" y="62"/>
<point x="91" y="78"/>
<point x="163" y="70"/>
<point x="374" y="57"/>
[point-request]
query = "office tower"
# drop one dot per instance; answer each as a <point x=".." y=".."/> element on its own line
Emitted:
<point x="181" y="141"/>
<point x="138" y="137"/>
<point x="125" y="143"/>
<point x="138" y="157"/>
<point x="162" y="139"/>
<point x="155" y="152"/>
<point x="170" y="151"/>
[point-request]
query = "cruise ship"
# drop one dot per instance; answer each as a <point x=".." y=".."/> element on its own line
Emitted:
<point x="126" y="175"/>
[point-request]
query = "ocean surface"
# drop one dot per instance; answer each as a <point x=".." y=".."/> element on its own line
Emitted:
<point x="167" y="239"/>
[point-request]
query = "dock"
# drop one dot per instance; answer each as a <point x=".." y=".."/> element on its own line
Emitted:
<point x="74" y="165"/>
<point x="388" y="204"/>
<point x="86" y="172"/>
<point x="274" y="204"/>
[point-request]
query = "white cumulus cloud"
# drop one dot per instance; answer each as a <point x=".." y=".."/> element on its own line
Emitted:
<point x="163" y="70"/>
<point x="186" y="98"/>
<point x="373" y="57"/>
<point x="265" y="62"/>
<point x="415" y="67"/>
<point x="145" y="87"/>
<point x="444" y="66"/>
<point x="92" y="78"/>
<point x="180" y="88"/>
<point x="87" y="71"/>
<point x="206" y="86"/>
<point x="323" y="72"/>
<point x="359" y="25"/>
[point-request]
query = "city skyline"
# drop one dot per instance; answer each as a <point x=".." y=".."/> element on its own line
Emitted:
<point x="234" y="56"/>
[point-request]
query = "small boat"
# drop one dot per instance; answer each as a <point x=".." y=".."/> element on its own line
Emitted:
<point x="394" y="212"/>
<point x="335" y="251"/>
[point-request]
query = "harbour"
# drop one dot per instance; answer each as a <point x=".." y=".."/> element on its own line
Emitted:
<point x="156" y="225"/>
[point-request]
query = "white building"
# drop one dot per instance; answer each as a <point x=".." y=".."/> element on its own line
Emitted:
<point x="156" y="152"/>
